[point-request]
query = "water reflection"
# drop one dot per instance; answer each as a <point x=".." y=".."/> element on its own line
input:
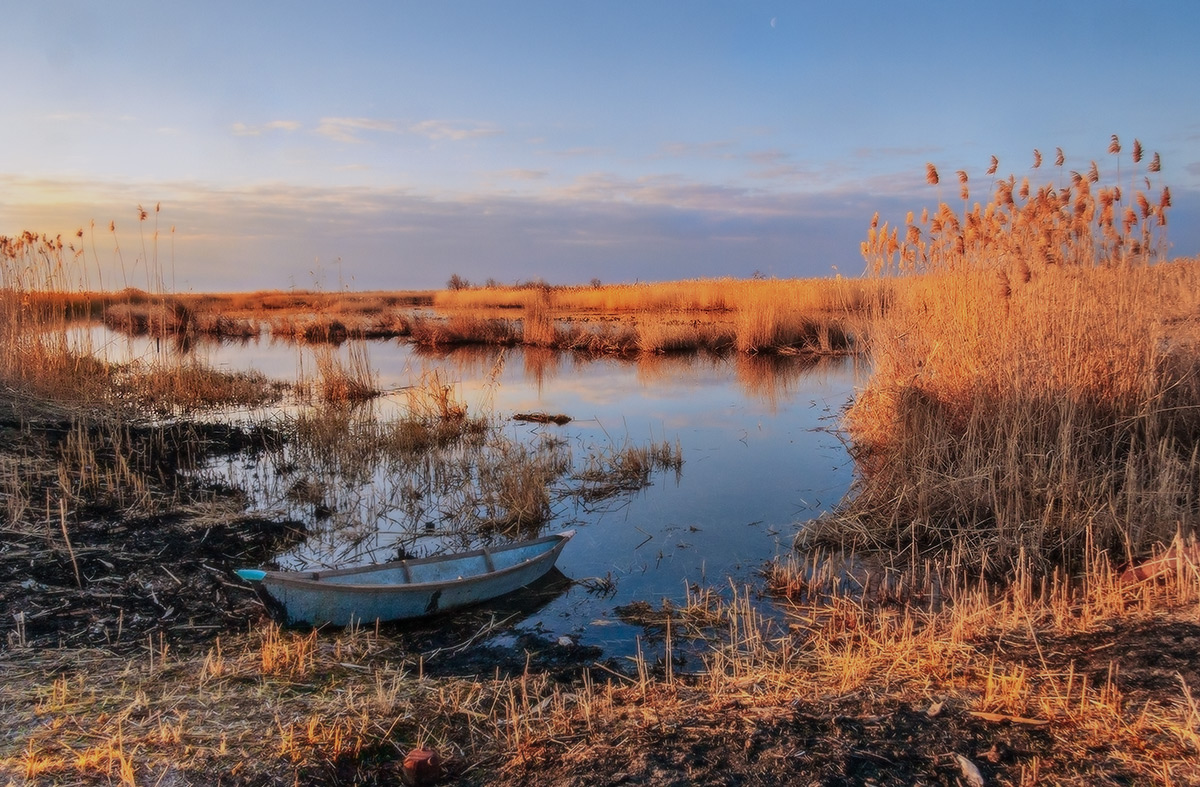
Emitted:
<point x="772" y="379"/>
<point x="540" y="365"/>
<point x="759" y="457"/>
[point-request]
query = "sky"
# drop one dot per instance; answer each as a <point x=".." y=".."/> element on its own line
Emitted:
<point x="388" y="145"/>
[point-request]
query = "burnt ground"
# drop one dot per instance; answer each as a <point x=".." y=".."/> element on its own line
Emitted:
<point x="675" y="737"/>
<point x="858" y="740"/>
<point x="163" y="567"/>
<point x="96" y="566"/>
<point x="893" y="745"/>
<point x="1143" y="656"/>
<point x="167" y="575"/>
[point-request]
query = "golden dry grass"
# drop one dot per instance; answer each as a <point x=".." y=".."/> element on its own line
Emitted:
<point x="723" y="294"/>
<point x="275" y="705"/>
<point x="811" y="316"/>
<point x="814" y="316"/>
<point x="342" y="378"/>
<point x="40" y="355"/>
<point x="1034" y="388"/>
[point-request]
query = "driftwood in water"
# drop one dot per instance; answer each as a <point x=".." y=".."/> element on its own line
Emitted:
<point x="542" y="418"/>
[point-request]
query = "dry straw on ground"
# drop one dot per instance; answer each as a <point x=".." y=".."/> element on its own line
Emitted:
<point x="274" y="706"/>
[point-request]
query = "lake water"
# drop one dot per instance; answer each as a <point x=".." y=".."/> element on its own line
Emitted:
<point x="758" y="437"/>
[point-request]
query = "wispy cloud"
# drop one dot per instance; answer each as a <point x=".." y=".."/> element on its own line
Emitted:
<point x="672" y="191"/>
<point x="883" y="153"/>
<point x="524" y="174"/>
<point x="244" y="130"/>
<point x="769" y="156"/>
<point x="349" y="130"/>
<point x="442" y="129"/>
<point x="659" y="227"/>
<point x="793" y="173"/>
<point x="583" y="152"/>
<point x="906" y="183"/>
<point x="774" y="164"/>
<point x="714" y="149"/>
<point x="70" y="117"/>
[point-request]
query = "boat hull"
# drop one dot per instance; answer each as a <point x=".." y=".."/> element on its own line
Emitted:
<point x="409" y="588"/>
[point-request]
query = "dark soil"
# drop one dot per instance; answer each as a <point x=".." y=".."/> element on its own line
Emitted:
<point x="121" y="572"/>
<point x="863" y="742"/>
<point x="1143" y="656"/>
<point x="900" y="745"/>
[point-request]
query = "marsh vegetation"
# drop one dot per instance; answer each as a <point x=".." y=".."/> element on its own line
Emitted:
<point x="1007" y="595"/>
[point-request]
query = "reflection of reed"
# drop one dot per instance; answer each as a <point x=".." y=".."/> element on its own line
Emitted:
<point x="769" y="378"/>
<point x="653" y="369"/>
<point x="467" y="361"/>
<point x="477" y="361"/>
<point x="541" y="364"/>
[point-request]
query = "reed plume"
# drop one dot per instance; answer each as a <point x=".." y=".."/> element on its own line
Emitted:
<point x="1038" y="330"/>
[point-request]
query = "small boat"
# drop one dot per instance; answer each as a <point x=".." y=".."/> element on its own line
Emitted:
<point x="408" y="588"/>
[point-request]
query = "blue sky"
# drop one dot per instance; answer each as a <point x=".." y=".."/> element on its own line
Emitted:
<point x="389" y="144"/>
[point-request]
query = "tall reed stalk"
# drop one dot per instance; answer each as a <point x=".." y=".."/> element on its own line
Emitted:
<point x="1036" y="384"/>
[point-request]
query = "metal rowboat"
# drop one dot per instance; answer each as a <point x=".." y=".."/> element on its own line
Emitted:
<point x="408" y="588"/>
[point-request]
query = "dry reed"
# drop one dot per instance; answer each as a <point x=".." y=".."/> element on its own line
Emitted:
<point x="797" y="316"/>
<point x="1034" y="388"/>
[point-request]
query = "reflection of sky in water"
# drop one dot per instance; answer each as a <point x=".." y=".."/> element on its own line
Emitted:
<point x="758" y="457"/>
<point x="758" y="460"/>
<point x="751" y="472"/>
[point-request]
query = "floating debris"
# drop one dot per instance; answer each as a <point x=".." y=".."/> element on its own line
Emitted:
<point x="542" y="418"/>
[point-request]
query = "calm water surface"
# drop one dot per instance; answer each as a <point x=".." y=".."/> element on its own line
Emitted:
<point x="758" y="436"/>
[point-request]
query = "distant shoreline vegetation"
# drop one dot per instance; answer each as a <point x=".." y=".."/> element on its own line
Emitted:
<point x="817" y="317"/>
